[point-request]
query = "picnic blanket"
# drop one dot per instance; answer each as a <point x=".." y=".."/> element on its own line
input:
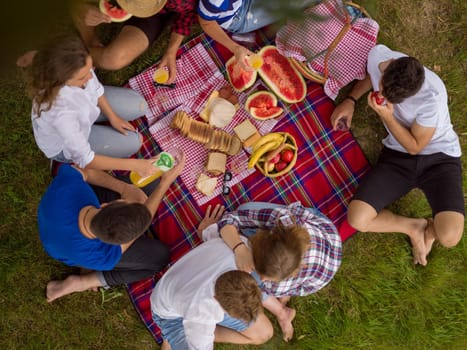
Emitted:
<point x="328" y="170"/>
<point x="310" y="40"/>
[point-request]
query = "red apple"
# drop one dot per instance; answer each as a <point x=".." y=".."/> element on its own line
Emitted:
<point x="287" y="155"/>
<point x="378" y="98"/>
<point x="275" y="159"/>
<point x="281" y="166"/>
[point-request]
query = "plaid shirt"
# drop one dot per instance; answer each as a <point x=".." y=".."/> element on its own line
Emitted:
<point x="185" y="15"/>
<point x="320" y="262"/>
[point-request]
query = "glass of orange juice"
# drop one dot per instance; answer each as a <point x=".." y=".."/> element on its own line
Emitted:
<point x="255" y="61"/>
<point x="161" y="76"/>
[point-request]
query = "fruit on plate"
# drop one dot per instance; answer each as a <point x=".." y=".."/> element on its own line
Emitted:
<point x="262" y="105"/>
<point x="271" y="154"/>
<point x="287" y="155"/>
<point x="239" y="78"/>
<point x="281" y="77"/>
<point x="112" y="9"/>
<point x="379" y="99"/>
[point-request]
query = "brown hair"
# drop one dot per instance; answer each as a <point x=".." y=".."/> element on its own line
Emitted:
<point x="402" y="78"/>
<point x="239" y="295"/>
<point x="120" y="222"/>
<point x="53" y="65"/>
<point x="279" y="251"/>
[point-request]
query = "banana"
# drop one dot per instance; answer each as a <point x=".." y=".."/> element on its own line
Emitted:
<point x="255" y="156"/>
<point x="272" y="136"/>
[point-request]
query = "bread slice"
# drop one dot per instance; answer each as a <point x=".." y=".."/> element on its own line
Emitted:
<point x="204" y="114"/>
<point x="245" y="130"/>
<point x="206" y="184"/>
<point x="251" y="140"/>
<point x="216" y="163"/>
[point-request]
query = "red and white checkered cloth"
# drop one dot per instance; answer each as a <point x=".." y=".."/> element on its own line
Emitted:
<point x="196" y="154"/>
<point x="194" y="70"/>
<point x="308" y="41"/>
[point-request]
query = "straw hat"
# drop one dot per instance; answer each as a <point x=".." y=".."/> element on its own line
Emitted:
<point x="142" y="8"/>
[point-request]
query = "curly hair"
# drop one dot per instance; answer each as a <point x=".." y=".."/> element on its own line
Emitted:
<point x="278" y="252"/>
<point x="402" y="78"/>
<point x="239" y="295"/>
<point x="53" y="65"/>
<point x="120" y="222"/>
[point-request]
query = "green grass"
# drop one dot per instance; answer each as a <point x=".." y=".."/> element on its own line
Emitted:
<point x="378" y="299"/>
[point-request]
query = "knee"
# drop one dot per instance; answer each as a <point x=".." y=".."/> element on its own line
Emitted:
<point x="263" y="335"/>
<point x="357" y="219"/>
<point x="114" y="59"/>
<point x="449" y="237"/>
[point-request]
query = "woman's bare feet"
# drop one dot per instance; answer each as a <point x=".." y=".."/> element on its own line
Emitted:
<point x="286" y="323"/>
<point x="417" y="238"/>
<point x="210" y="218"/>
<point x="25" y="59"/>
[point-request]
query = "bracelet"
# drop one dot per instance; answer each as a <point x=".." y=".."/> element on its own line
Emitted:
<point x="237" y="245"/>
<point x="351" y="98"/>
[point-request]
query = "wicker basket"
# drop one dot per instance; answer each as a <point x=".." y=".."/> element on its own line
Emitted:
<point x="322" y="77"/>
<point x="262" y="166"/>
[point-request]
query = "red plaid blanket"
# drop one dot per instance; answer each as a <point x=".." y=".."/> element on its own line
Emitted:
<point x="328" y="170"/>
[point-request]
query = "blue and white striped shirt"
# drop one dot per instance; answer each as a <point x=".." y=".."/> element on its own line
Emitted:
<point x="221" y="11"/>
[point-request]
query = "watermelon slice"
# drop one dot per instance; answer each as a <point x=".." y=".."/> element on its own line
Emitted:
<point x="281" y="77"/>
<point x="262" y="105"/>
<point x="239" y="78"/>
<point x="113" y="10"/>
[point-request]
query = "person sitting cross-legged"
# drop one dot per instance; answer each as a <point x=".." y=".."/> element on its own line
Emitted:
<point x="294" y="250"/>
<point x="78" y="228"/>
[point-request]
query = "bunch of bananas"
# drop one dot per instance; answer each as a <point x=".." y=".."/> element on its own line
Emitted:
<point x="269" y="149"/>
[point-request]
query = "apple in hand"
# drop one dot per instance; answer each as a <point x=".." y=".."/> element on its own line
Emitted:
<point x="279" y="166"/>
<point x="378" y="98"/>
<point x="287" y="155"/>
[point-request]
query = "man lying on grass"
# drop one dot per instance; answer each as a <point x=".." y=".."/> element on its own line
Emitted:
<point x="78" y="228"/>
<point x="421" y="151"/>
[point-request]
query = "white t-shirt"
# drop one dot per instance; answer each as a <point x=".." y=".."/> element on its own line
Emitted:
<point x="67" y="124"/>
<point x="187" y="290"/>
<point x="428" y="107"/>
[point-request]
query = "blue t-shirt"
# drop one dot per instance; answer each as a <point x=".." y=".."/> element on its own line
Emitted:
<point x="58" y="224"/>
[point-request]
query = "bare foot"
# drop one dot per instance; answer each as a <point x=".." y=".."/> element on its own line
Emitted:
<point x="58" y="289"/>
<point x="429" y="236"/>
<point x="284" y="300"/>
<point x="286" y="323"/>
<point x="417" y="238"/>
<point x="25" y="60"/>
<point x="210" y="218"/>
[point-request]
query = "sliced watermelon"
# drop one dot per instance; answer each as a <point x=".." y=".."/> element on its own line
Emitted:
<point x="261" y="99"/>
<point x="262" y="105"/>
<point x="265" y="113"/>
<point x="239" y="78"/>
<point x="113" y="10"/>
<point x="281" y="77"/>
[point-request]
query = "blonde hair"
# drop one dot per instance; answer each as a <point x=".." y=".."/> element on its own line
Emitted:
<point x="278" y="252"/>
<point x="53" y="65"/>
<point x="239" y="295"/>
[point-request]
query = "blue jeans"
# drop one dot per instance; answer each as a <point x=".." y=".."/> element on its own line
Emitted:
<point x="104" y="139"/>
<point x="252" y="16"/>
<point x="172" y="329"/>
